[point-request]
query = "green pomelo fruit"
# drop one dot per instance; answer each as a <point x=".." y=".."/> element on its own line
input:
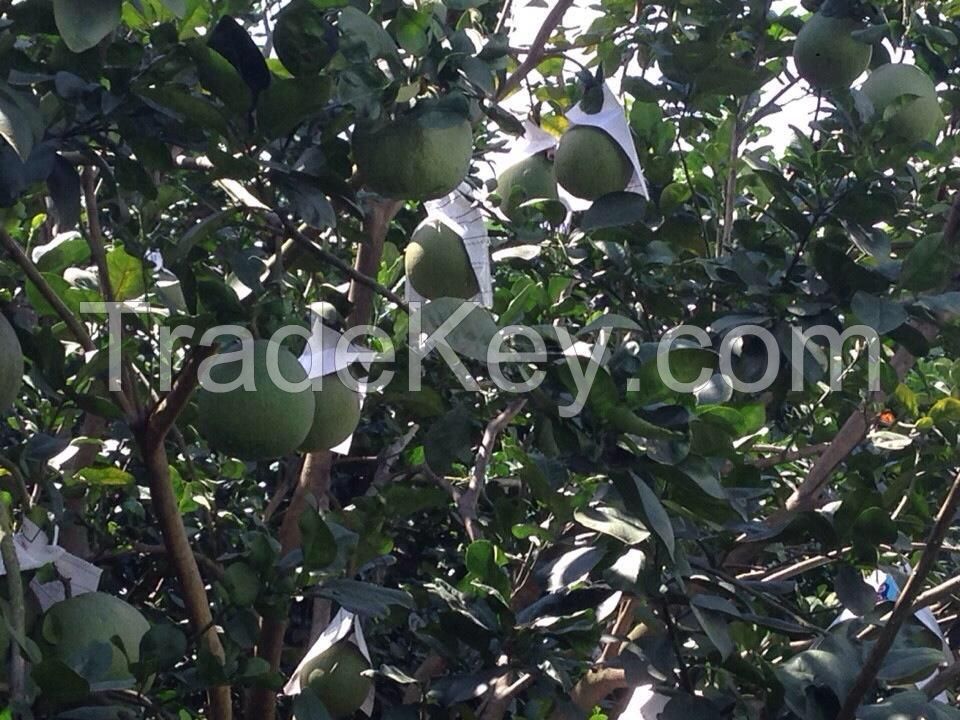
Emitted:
<point x="911" y="97"/>
<point x="336" y="677"/>
<point x="532" y="178"/>
<point x="11" y="365"/>
<point x="590" y="163"/>
<point x="305" y="40"/>
<point x="72" y="625"/>
<point x="261" y="423"/>
<point x="336" y="416"/>
<point x="421" y="156"/>
<point x="826" y="54"/>
<point x="438" y="265"/>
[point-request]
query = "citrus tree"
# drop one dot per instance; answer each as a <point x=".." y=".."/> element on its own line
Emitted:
<point x="175" y="174"/>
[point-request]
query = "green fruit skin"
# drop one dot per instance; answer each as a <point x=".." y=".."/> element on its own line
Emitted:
<point x="335" y="676"/>
<point x="683" y="234"/>
<point x="336" y="416"/>
<point x="590" y="163"/>
<point x="826" y="54"/>
<point x="257" y="424"/>
<point x="73" y="624"/>
<point x="438" y="265"/>
<point x="419" y="157"/>
<point x="11" y="365"/>
<point x="533" y="178"/>
<point x="304" y="39"/>
<point x="919" y="118"/>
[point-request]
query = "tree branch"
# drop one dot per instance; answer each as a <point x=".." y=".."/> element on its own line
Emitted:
<point x="470" y="498"/>
<point x="18" y="611"/>
<point x="536" y="48"/>
<point x="184" y="562"/>
<point x="904" y="606"/>
<point x="17" y="254"/>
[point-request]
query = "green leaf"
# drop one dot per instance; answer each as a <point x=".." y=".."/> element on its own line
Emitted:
<point x="471" y="337"/>
<point x="220" y="78"/>
<point x="177" y="7"/>
<point x="242" y="583"/>
<point x="126" y="275"/>
<point x="880" y="313"/>
<point x="319" y="545"/>
<point x="104" y="476"/>
<point x="614" y="522"/>
<point x="924" y="268"/>
<point x="15" y="128"/>
<point x="449" y="440"/>
<point x="715" y="627"/>
<point x="84" y="23"/>
<point x="614" y="210"/>
<point x="364" y="598"/>
<point x="656" y="514"/>
<point x="854" y="593"/>
<point x="360" y="28"/>
<point x="64" y="251"/>
<point x="874" y="527"/>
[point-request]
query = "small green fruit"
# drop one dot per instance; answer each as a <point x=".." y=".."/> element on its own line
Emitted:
<point x="336" y="416"/>
<point x="72" y="625"/>
<point x="591" y="164"/>
<point x="421" y="156"/>
<point x="261" y="423"/>
<point x="532" y="178"/>
<point x="826" y="54"/>
<point x="336" y="677"/>
<point x="305" y="40"/>
<point x="914" y="114"/>
<point x="438" y="265"/>
<point x="11" y="365"/>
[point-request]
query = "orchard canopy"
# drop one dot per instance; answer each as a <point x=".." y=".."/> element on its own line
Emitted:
<point x="654" y="305"/>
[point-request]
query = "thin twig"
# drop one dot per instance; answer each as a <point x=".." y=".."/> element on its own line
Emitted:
<point x="17" y="254"/>
<point x="536" y="48"/>
<point x="470" y="498"/>
<point x="904" y="605"/>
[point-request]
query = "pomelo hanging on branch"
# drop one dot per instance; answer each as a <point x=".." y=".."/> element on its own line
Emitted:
<point x="438" y="265"/>
<point x="336" y="676"/>
<point x="263" y="422"/>
<point x="906" y="98"/>
<point x="72" y="625"/>
<point x="533" y="178"/>
<point x="11" y="365"/>
<point x="827" y="55"/>
<point x="591" y="164"/>
<point x="423" y="154"/>
<point x="336" y="416"/>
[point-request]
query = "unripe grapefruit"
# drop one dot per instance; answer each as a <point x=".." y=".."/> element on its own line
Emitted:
<point x="261" y="423"/>
<point x="827" y="56"/>
<point x="910" y="95"/>
<point x="336" y="416"/>
<point x="591" y="164"/>
<point x="72" y="625"/>
<point x="423" y="155"/>
<point x="336" y="677"/>
<point x="438" y="265"/>
<point x="532" y="178"/>
<point x="11" y="365"/>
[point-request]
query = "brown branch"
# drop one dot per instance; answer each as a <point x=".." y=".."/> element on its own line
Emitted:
<point x="782" y="456"/>
<point x="211" y="565"/>
<point x="904" y="605"/>
<point x="470" y="498"/>
<point x="18" y="611"/>
<point x="502" y="693"/>
<point x="376" y="224"/>
<point x="181" y="557"/>
<point x="165" y="413"/>
<point x="944" y="680"/>
<point x="17" y="254"/>
<point x="536" y="48"/>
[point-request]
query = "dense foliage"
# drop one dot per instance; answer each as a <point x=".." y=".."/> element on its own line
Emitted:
<point x="503" y="558"/>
